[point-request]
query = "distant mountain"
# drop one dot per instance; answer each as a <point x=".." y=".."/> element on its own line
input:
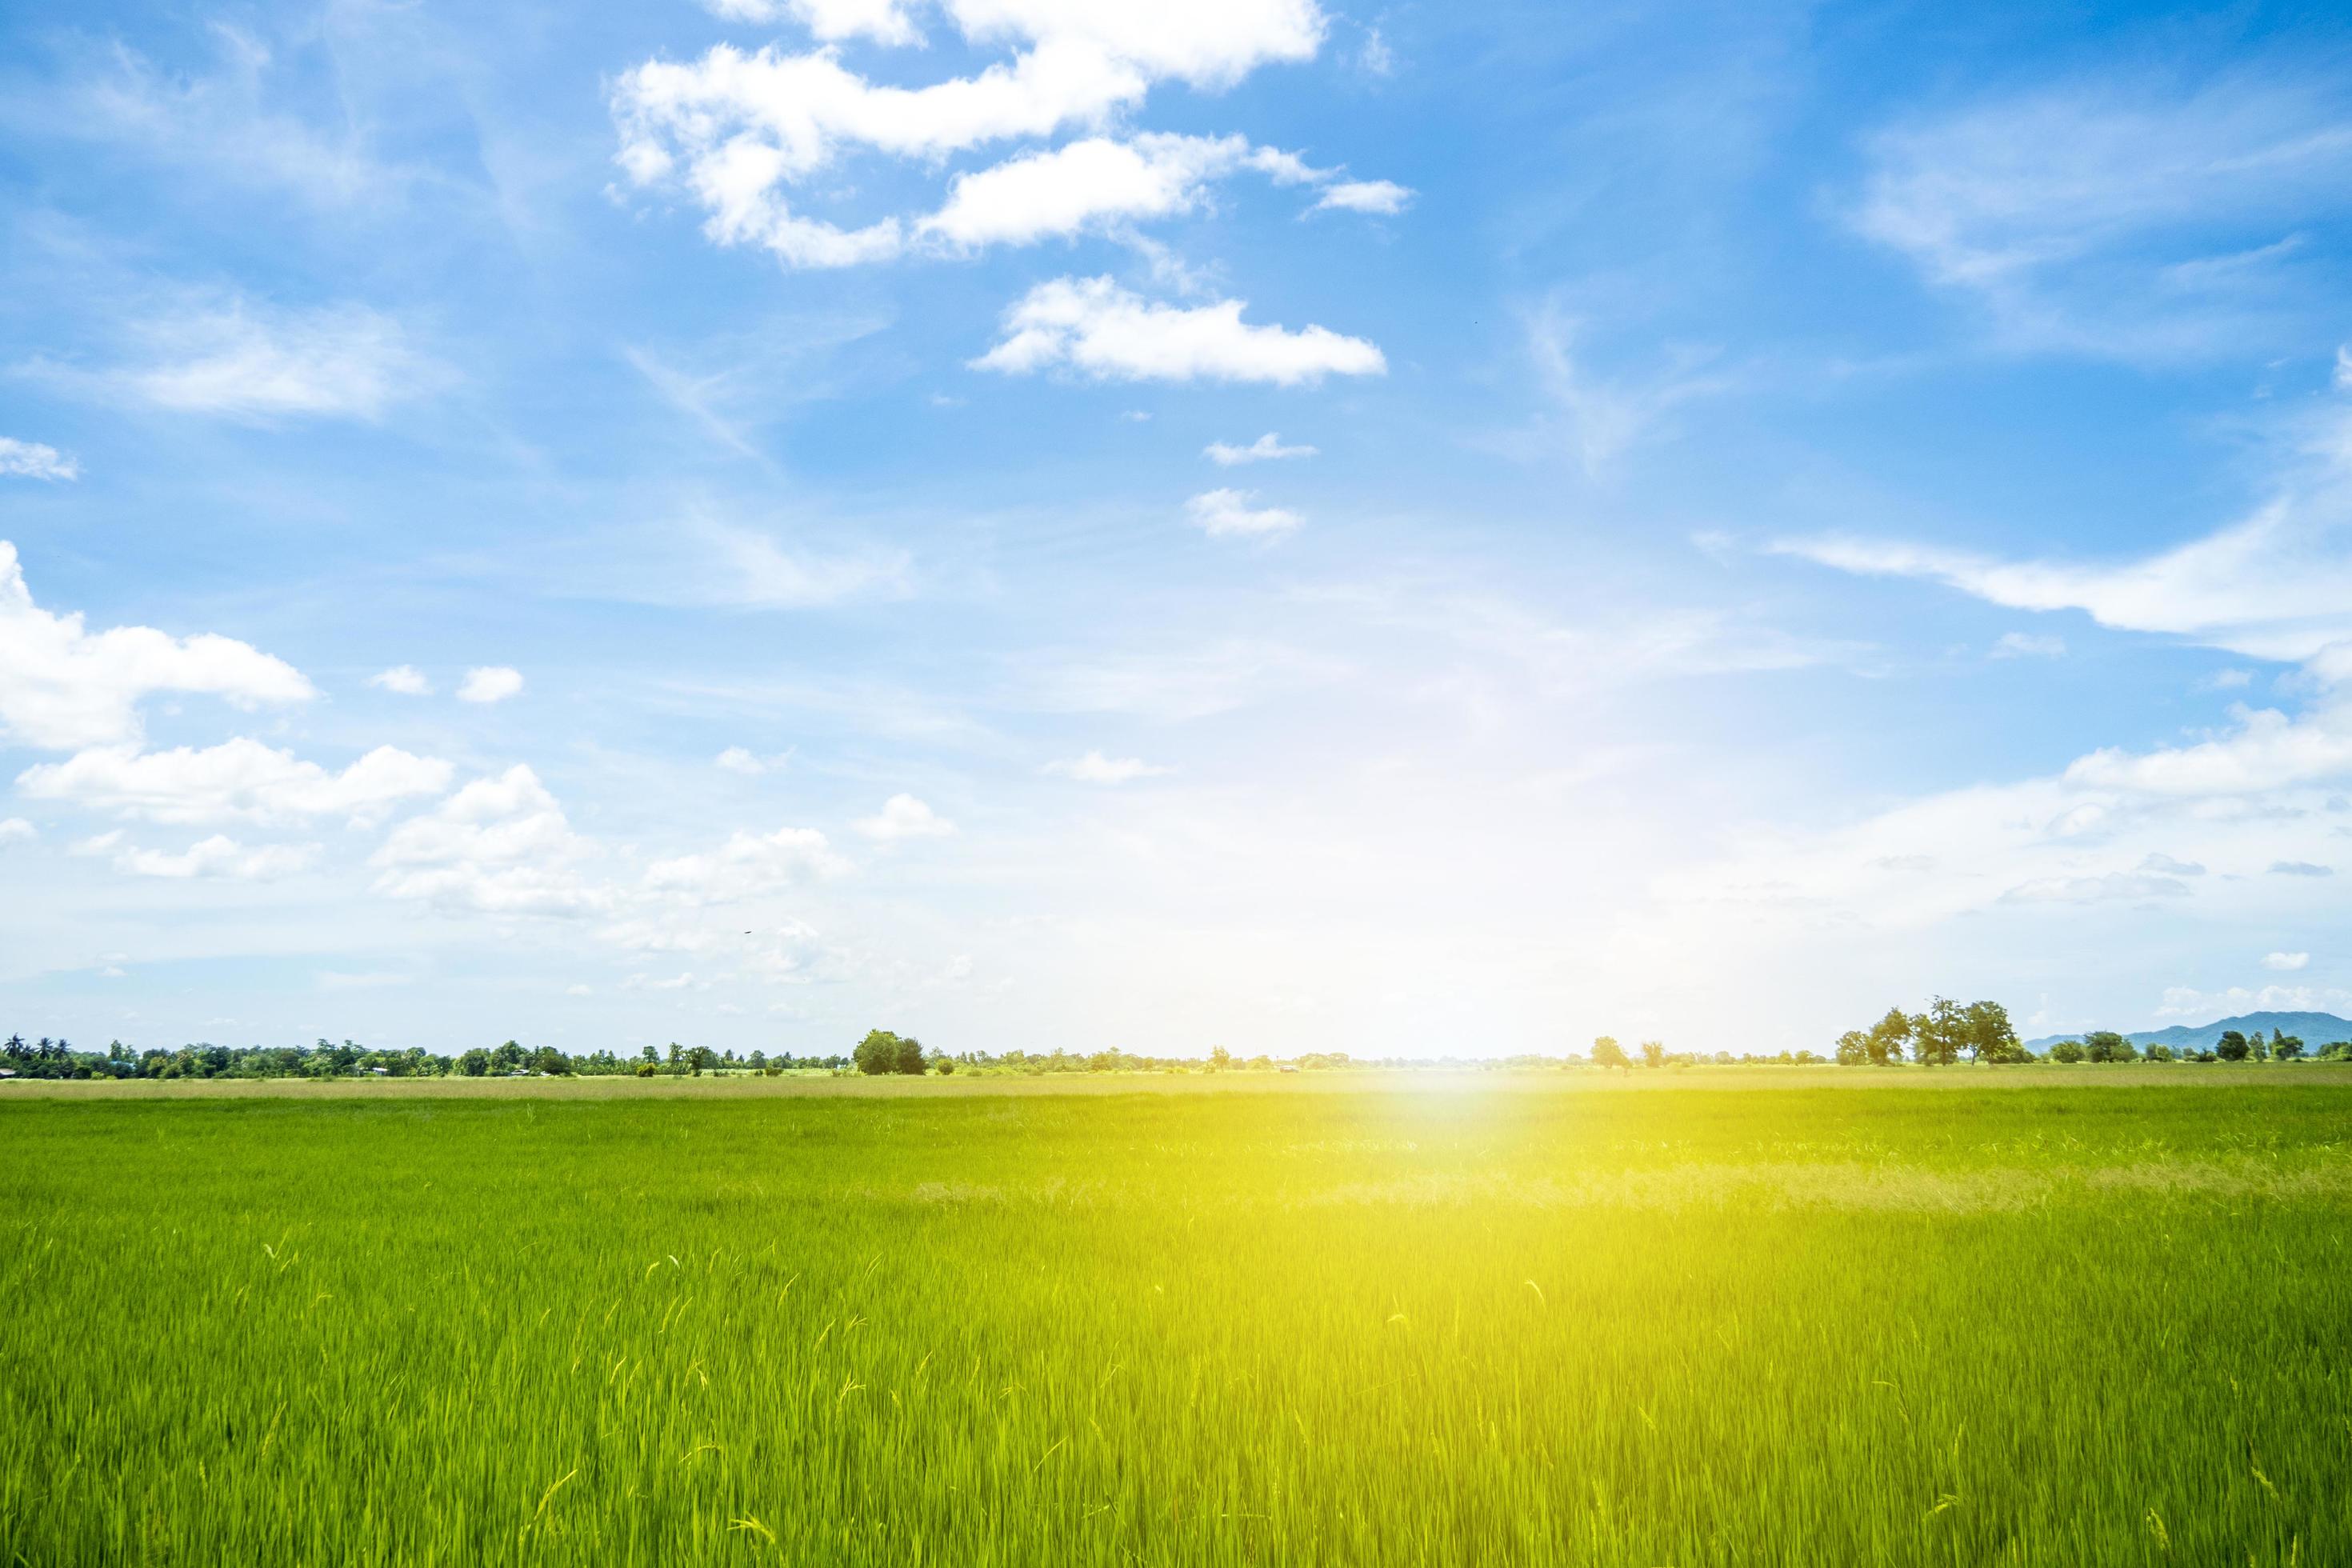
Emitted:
<point x="2314" y="1029"/>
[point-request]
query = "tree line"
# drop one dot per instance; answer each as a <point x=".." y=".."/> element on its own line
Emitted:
<point x="59" y="1058"/>
<point x="1981" y="1031"/>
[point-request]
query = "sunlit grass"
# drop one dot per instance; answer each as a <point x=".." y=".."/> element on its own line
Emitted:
<point x="2088" y="1321"/>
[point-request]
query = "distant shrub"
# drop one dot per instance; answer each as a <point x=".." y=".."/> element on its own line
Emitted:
<point x="2067" y="1051"/>
<point x="2159" y="1053"/>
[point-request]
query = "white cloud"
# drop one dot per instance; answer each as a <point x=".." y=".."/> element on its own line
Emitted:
<point x="1226" y="514"/>
<point x="1603" y="417"/>
<point x="15" y="829"/>
<point x="2029" y="645"/>
<point x="2276" y="584"/>
<point x="406" y="679"/>
<point x="2188" y="1002"/>
<point x="1384" y="196"/>
<point x="735" y="131"/>
<point x="2285" y="960"/>
<point x="1095" y="327"/>
<point x="2096" y="890"/>
<point x="2164" y="864"/>
<point x="736" y="759"/>
<point x="62" y="687"/>
<point x="246" y="362"/>
<point x="647" y="983"/>
<point x="501" y="846"/>
<point x="2267" y="751"/>
<point x="1265" y="449"/>
<point x="904" y="816"/>
<point x="748" y="864"/>
<point x="1092" y="183"/>
<point x="220" y="857"/>
<point x="490" y="683"/>
<point x="1097" y="768"/>
<point x="239" y="778"/>
<point x="31" y="460"/>
<point x="830" y="21"/>
<point x="2118" y="216"/>
<point x="2300" y="869"/>
<point x="2342" y="379"/>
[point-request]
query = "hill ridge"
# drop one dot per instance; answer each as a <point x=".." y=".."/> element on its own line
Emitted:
<point x="2315" y="1029"/>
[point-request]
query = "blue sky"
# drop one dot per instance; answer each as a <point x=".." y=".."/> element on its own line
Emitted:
<point x="1406" y="530"/>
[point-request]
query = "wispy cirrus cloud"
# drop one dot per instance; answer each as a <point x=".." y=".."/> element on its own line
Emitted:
<point x="241" y="359"/>
<point x="2132" y="215"/>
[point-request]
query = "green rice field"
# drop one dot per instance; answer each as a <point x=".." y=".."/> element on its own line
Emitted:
<point x="1975" y="1315"/>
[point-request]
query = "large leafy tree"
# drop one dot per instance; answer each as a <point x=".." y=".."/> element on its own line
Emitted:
<point x="1884" y="1043"/>
<point x="1990" y="1037"/>
<point x="878" y="1052"/>
<point x="910" y="1057"/>
<point x="1941" y="1033"/>
<point x="2107" y="1046"/>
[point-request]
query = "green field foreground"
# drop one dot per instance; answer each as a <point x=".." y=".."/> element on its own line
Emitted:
<point x="1961" y="1317"/>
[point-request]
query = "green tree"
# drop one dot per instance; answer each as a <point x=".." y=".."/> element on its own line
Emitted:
<point x="1852" y="1049"/>
<point x="2067" y="1051"/>
<point x="1888" y="1036"/>
<point x="507" y="1057"/>
<point x="2287" y="1047"/>
<point x="548" y="1060"/>
<point x="1608" y="1053"/>
<point x="940" y="1063"/>
<point x="1653" y="1053"/>
<point x="1220" y="1058"/>
<point x="1941" y="1033"/>
<point x="1989" y="1036"/>
<point x="2107" y="1046"/>
<point x="2231" y="1046"/>
<point x="474" y="1063"/>
<point x="878" y="1052"/>
<point x="2159" y="1053"/>
<point x="910" y="1057"/>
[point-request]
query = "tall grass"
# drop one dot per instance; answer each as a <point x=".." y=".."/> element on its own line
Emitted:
<point x="1511" y="1323"/>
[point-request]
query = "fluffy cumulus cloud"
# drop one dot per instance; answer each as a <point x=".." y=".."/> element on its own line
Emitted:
<point x="1094" y="183"/>
<point x="1229" y="514"/>
<point x="904" y="816"/>
<point x="219" y="856"/>
<point x="744" y="134"/>
<point x="1095" y="768"/>
<point x="2285" y="961"/>
<point x="32" y="460"/>
<point x="1095" y="328"/>
<point x="499" y="846"/>
<point x="239" y="778"/>
<point x="1266" y="448"/>
<point x="490" y="683"/>
<point x="748" y="864"/>
<point x="404" y="679"/>
<point x="63" y="687"/>
<point x="1385" y="197"/>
